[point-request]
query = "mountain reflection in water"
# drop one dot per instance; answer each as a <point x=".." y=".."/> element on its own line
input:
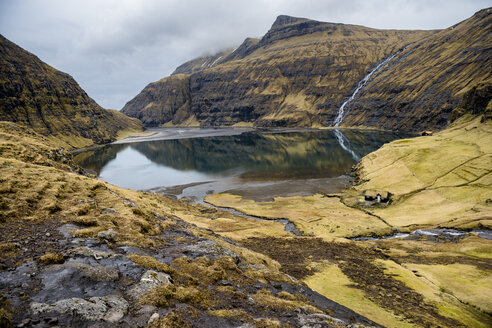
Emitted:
<point x="249" y="157"/>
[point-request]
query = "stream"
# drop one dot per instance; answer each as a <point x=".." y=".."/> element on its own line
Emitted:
<point x="289" y="226"/>
<point x="434" y="234"/>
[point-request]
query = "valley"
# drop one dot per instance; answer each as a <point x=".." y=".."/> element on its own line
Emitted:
<point x="283" y="183"/>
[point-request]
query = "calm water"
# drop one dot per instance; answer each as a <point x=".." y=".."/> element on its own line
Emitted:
<point x="195" y="166"/>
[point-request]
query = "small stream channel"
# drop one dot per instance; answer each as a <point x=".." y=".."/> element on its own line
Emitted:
<point x="289" y="226"/>
<point x="435" y="234"/>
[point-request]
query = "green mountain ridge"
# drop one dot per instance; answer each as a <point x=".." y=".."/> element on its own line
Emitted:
<point x="301" y="71"/>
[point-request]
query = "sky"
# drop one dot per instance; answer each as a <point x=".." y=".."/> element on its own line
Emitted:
<point x="114" y="48"/>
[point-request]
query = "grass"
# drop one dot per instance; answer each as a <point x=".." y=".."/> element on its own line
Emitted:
<point x="265" y="298"/>
<point x="51" y="258"/>
<point x="467" y="283"/>
<point x="316" y="215"/>
<point x="233" y="314"/>
<point x="39" y="192"/>
<point x="332" y="283"/>
<point x="168" y="294"/>
<point x="444" y="272"/>
<point x="233" y="226"/>
<point x="446" y="302"/>
<point x="435" y="179"/>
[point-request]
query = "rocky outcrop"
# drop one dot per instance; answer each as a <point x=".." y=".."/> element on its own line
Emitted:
<point x="51" y="102"/>
<point x="297" y="75"/>
<point x="476" y="102"/>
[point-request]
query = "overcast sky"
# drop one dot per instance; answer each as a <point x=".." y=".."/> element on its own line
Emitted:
<point x="114" y="48"/>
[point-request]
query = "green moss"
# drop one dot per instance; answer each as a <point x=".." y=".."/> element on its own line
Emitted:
<point x="179" y="318"/>
<point x="269" y="323"/>
<point x="208" y="271"/>
<point x="168" y="294"/>
<point x="149" y="262"/>
<point x="237" y="314"/>
<point x="51" y="258"/>
<point x="265" y="298"/>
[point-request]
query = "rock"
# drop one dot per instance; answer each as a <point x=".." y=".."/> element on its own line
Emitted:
<point x="130" y="203"/>
<point x="149" y="280"/>
<point x="24" y="323"/>
<point x="109" y="308"/>
<point x="109" y="235"/>
<point x="51" y="321"/>
<point x="154" y="317"/>
<point x="246" y="325"/>
<point x="108" y="211"/>
<point x="316" y="320"/>
<point x="209" y="249"/>
<point x="96" y="273"/>
<point x="86" y="251"/>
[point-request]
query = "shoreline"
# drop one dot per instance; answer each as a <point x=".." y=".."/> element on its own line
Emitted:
<point x="172" y="133"/>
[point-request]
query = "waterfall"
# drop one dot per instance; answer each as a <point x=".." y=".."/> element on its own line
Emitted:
<point x="341" y="113"/>
<point x="345" y="144"/>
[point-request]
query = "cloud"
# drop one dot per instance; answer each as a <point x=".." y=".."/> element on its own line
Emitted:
<point x="113" y="48"/>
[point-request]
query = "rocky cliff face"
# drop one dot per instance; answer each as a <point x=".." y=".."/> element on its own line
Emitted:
<point x="298" y="74"/>
<point x="428" y="80"/>
<point x="51" y="102"/>
<point x="477" y="101"/>
<point x="166" y="100"/>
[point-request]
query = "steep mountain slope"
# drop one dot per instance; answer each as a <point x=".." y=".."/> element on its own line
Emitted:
<point x="51" y="102"/>
<point x="202" y="63"/>
<point x="297" y="75"/>
<point x="429" y="79"/>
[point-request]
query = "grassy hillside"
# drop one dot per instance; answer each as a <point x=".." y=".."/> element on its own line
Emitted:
<point x="76" y="251"/>
<point x="297" y="75"/>
<point x="428" y="80"/>
<point x="50" y="102"/>
<point x="439" y="181"/>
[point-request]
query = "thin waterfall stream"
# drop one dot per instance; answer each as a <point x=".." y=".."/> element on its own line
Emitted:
<point x="362" y="83"/>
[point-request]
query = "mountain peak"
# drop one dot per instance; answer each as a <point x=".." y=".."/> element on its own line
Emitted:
<point x="286" y="20"/>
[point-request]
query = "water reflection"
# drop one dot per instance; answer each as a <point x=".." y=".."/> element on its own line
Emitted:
<point x="252" y="156"/>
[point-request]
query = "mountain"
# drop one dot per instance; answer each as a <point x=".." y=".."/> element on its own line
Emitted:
<point x="297" y="74"/>
<point x="51" y="102"/>
<point x="428" y="80"/>
<point x="202" y="63"/>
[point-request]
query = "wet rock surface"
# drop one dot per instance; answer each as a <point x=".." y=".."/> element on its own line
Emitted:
<point x="98" y="285"/>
